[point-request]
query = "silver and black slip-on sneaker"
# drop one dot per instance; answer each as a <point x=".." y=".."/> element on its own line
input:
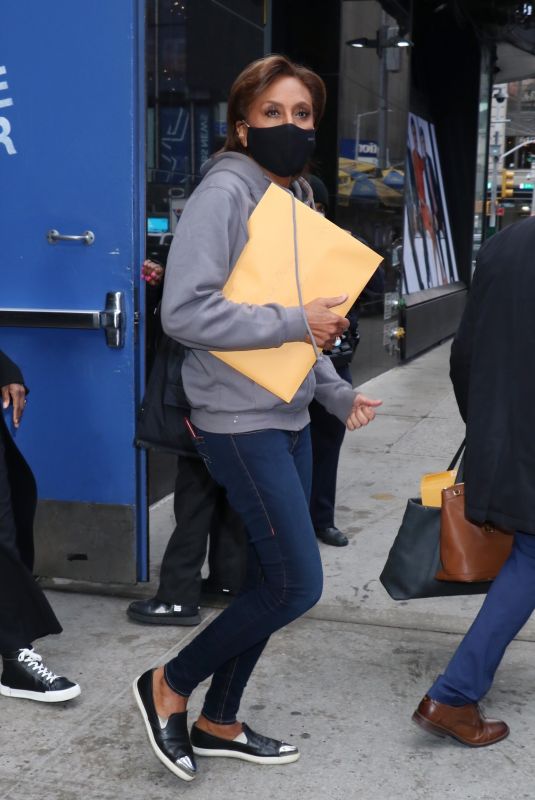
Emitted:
<point x="169" y="738"/>
<point x="248" y="746"/>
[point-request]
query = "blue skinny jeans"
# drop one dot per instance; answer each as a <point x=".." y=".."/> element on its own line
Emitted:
<point x="267" y="475"/>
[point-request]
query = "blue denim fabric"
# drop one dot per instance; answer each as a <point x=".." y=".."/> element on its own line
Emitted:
<point x="506" y="609"/>
<point x="267" y="475"/>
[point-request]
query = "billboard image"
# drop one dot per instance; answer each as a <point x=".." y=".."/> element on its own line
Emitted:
<point x="428" y="255"/>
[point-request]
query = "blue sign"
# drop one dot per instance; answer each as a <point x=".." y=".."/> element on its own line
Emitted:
<point x="175" y="146"/>
<point x="203" y="136"/>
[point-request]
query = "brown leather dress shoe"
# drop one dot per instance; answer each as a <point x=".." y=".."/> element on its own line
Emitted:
<point x="466" y="724"/>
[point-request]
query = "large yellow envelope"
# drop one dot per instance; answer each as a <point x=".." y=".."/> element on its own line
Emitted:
<point x="331" y="263"/>
<point x="432" y="484"/>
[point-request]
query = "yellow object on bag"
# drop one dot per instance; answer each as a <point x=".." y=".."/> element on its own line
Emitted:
<point x="431" y="486"/>
<point x="332" y="263"/>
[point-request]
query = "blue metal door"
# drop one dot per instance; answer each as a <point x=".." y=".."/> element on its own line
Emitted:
<point x="72" y="165"/>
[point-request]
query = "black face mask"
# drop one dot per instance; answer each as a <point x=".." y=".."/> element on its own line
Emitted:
<point x="283" y="149"/>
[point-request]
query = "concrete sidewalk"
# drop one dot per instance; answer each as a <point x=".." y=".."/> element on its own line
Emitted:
<point x="341" y="683"/>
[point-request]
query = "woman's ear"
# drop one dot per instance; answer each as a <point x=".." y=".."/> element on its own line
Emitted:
<point x="241" y="130"/>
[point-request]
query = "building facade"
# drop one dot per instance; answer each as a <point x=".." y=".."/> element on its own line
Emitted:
<point x="99" y="167"/>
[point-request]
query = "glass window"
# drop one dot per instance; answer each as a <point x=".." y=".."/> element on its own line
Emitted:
<point x="374" y="92"/>
<point x="195" y="49"/>
<point x="481" y="157"/>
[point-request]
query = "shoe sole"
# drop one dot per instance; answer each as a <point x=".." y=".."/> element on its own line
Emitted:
<point x="160" y="620"/>
<point x="444" y="733"/>
<point x="333" y="542"/>
<point x="41" y="697"/>
<point x="185" y="776"/>
<point x="205" y="751"/>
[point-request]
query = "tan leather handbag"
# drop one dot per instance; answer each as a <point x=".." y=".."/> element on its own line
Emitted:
<point x="468" y="552"/>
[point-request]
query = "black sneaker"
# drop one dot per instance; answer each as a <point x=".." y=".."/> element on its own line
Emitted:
<point x="248" y="746"/>
<point x="168" y="738"/>
<point x="154" y="612"/>
<point x="25" y="676"/>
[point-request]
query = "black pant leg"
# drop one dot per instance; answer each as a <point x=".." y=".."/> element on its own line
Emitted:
<point x="227" y="552"/>
<point x="196" y="495"/>
<point x="8" y="530"/>
<point x="327" y="434"/>
<point x="25" y="613"/>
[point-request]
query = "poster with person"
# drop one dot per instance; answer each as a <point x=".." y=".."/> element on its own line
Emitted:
<point x="428" y="255"/>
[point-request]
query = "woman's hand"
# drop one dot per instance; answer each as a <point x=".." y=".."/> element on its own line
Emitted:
<point x="326" y="327"/>
<point x="152" y="272"/>
<point x="363" y="411"/>
<point x="14" y="393"/>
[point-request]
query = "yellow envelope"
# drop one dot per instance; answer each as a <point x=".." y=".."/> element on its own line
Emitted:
<point x="431" y="486"/>
<point x="331" y="263"/>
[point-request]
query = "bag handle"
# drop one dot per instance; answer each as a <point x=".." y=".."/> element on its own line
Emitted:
<point x="457" y="455"/>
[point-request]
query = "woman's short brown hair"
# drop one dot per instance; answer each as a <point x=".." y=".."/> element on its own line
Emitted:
<point x="255" y="78"/>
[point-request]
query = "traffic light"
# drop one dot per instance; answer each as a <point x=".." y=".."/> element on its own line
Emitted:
<point x="508" y="182"/>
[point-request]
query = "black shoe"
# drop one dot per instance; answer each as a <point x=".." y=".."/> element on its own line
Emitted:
<point x="249" y="746"/>
<point x="25" y="676"/>
<point x="208" y="587"/>
<point x="332" y="536"/>
<point x="170" y="740"/>
<point x="154" y="612"/>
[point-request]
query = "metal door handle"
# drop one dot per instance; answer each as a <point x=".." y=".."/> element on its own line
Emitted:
<point x="54" y="236"/>
<point x="111" y="320"/>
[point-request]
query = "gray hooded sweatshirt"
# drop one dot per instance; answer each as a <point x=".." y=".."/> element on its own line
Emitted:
<point x="209" y="238"/>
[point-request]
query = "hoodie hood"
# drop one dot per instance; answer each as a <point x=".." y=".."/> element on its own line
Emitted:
<point x="252" y="175"/>
<point x="241" y="166"/>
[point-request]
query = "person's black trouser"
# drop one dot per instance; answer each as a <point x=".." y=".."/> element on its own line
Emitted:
<point x="25" y="614"/>
<point x="8" y="530"/>
<point x="327" y="433"/>
<point x="201" y="509"/>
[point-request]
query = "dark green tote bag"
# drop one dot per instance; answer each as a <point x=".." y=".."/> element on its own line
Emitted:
<point x="414" y="558"/>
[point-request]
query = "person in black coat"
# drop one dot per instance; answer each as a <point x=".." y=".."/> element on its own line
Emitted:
<point x="326" y="431"/>
<point x="494" y="383"/>
<point x="25" y="614"/>
<point x="204" y="518"/>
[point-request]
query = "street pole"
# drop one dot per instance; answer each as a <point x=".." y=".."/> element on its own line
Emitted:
<point x="357" y="128"/>
<point x="494" y="183"/>
<point x="382" y="138"/>
<point x="357" y="137"/>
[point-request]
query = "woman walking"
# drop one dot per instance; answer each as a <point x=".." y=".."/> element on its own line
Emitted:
<point x="254" y="444"/>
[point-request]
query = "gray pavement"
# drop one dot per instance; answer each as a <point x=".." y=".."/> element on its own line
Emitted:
<point x="341" y="682"/>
